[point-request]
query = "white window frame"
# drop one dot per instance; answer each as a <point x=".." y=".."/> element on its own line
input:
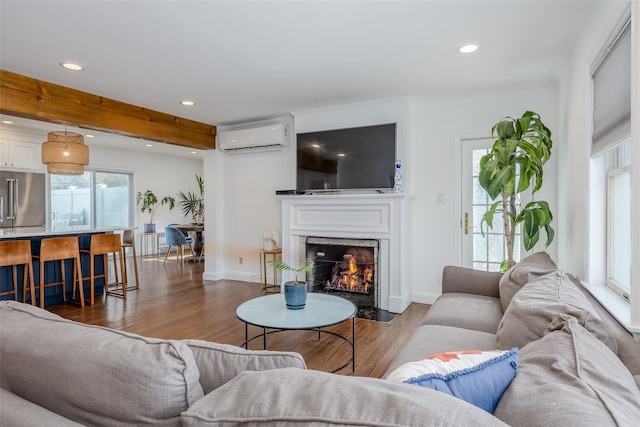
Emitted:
<point x="93" y="216"/>
<point x="614" y="171"/>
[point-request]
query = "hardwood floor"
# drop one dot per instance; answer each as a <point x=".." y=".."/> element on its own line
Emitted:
<point x="174" y="302"/>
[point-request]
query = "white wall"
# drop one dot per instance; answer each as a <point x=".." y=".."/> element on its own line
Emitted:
<point x="245" y="201"/>
<point x="427" y="132"/>
<point x="245" y="206"/>
<point x="434" y="169"/>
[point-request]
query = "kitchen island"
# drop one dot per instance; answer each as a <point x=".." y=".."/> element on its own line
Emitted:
<point x="52" y="272"/>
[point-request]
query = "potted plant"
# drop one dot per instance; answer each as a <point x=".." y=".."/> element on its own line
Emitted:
<point x="148" y="203"/>
<point x="513" y="164"/>
<point x="192" y="203"/>
<point x="295" y="292"/>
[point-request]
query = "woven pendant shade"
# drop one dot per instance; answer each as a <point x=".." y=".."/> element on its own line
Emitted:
<point x="64" y="153"/>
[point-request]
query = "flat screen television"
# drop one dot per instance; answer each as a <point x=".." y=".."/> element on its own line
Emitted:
<point x="347" y="159"/>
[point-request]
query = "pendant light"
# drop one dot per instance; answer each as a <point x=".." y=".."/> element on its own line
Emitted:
<point x="65" y="153"/>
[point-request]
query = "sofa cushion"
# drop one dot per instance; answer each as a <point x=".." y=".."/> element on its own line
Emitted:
<point x="94" y="375"/>
<point x="528" y="269"/>
<point x="569" y="378"/>
<point x="218" y="363"/>
<point x="539" y="302"/>
<point x="477" y="377"/>
<point x="431" y="339"/>
<point x="294" y="397"/>
<point x="477" y="312"/>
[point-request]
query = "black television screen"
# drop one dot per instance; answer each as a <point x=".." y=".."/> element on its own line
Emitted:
<point x="345" y="159"/>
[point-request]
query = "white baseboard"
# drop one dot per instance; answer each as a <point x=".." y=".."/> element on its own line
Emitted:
<point x="232" y="275"/>
<point x="424" y="297"/>
<point x="212" y="276"/>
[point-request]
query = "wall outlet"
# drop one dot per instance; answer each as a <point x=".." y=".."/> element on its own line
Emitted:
<point x="240" y="260"/>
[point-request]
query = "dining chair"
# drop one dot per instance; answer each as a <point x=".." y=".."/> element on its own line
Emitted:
<point x="186" y="234"/>
<point x="175" y="237"/>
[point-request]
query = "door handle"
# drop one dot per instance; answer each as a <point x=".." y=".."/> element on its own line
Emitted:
<point x="12" y="198"/>
<point x="466" y="223"/>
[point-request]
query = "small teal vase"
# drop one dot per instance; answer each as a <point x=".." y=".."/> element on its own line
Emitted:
<point x="295" y="295"/>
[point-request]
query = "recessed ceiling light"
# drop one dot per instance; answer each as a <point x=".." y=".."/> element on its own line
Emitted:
<point x="71" y="66"/>
<point x="315" y="145"/>
<point x="7" y="122"/>
<point x="90" y="136"/>
<point x="194" y="152"/>
<point x="148" y="145"/>
<point x="187" y="103"/>
<point x="341" y="155"/>
<point x="468" y="48"/>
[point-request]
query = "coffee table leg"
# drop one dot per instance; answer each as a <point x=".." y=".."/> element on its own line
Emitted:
<point x="246" y="335"/>
<point x="353" y="344"/>
<point x="264" y="338"/>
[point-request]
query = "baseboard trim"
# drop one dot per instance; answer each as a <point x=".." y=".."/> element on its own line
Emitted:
<point x="424" y="297"/>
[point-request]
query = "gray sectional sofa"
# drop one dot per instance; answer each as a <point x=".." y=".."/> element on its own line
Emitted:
<point x="577" y="366"/>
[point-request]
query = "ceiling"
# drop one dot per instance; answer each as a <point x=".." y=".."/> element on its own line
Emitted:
<point x="243" y="61"/>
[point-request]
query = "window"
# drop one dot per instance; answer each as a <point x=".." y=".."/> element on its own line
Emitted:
<point x="610" y="222"/>
<point x="618" y="218"/>
<point x="95" y="199"/>
<point x="489" y="245"/>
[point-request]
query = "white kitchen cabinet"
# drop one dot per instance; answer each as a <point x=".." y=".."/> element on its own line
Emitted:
<point x="20" y="155"/>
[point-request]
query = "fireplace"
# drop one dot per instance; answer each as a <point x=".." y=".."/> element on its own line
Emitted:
<point x="383" y="218"/>
<point x="346" y="268"/>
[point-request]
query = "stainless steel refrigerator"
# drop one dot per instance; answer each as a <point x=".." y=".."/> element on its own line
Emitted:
<point x="22" y="202"/>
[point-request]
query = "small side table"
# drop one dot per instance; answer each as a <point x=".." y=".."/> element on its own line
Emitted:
<point x="149" y="239"/>
<point x="264" y="276"/>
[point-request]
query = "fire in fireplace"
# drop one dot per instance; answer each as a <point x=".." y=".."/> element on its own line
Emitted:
<point x="350" y="276"/>
<point x="346" y="268"/>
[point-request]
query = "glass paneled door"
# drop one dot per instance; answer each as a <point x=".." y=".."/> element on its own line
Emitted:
<point x="480" y="251"/>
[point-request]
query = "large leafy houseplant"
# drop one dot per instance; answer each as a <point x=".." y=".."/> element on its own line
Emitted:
<point x="512" y="166"/>
<point x="193" y="203"/>
<point x="149" y="202"/>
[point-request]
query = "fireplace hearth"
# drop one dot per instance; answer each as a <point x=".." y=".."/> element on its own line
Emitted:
<point x="347" y="268"/>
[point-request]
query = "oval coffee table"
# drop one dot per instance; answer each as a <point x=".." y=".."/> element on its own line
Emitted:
<point x="321" y="311"/>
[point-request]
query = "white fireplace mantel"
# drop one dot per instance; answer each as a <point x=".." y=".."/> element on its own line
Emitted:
<point x="385" y="217"/>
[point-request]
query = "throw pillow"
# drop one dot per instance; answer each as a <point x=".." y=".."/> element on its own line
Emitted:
<point x="539" y="302"/>
<point x="569" y="378"/>
<point x="478" y="377"/>
<point x="528" y="269"/>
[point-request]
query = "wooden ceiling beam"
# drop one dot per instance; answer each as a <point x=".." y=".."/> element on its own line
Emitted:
<point x="26" y="97"/>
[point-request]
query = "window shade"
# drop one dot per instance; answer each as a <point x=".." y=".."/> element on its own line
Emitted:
<point x="612" y="95"/>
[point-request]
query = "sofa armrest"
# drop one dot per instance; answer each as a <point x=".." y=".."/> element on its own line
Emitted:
<point x="470" y="281"/>
<point x="219" y="363"/>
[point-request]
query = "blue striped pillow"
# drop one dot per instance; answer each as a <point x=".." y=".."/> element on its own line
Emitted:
<point x="478" y="377"/>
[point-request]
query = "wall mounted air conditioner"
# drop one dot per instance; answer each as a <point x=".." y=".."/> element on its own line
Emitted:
<point x="264" y="138"/>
